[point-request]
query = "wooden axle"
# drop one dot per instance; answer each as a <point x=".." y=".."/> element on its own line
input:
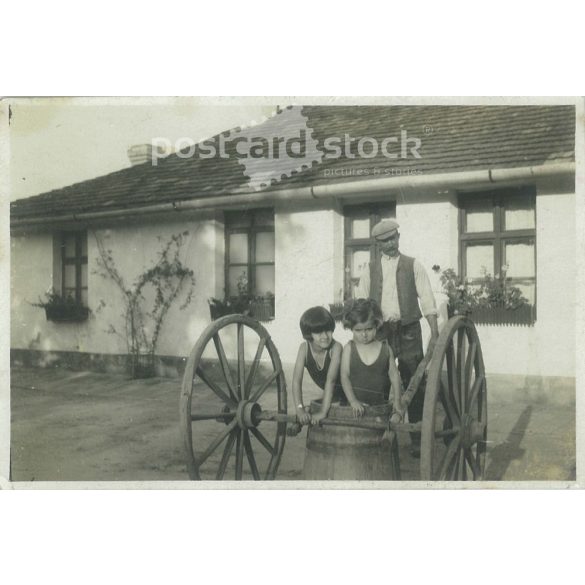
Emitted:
<point x="274" y="416"/>
<point x="381" y="425"/>
<point x="371" y="425"/>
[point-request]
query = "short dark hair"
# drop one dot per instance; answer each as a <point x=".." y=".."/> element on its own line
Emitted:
<point x="316" y="320"/>
<point x="361" y="311"/>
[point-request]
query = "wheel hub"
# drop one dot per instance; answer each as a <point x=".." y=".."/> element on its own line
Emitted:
<point x="248" y="414"/>
<point x="472" y="431"/>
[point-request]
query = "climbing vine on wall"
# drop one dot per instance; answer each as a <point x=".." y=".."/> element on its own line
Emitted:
<point x="148" y="299"/>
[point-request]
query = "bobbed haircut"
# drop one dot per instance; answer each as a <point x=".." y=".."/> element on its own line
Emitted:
<point x="362" y="311"/>
<point x="316" y="320"/>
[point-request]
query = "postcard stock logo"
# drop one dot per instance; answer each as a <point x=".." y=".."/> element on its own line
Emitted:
<point x="285" y="144"/>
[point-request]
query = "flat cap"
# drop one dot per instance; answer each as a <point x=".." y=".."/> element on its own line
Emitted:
<point x="384" y="229"/>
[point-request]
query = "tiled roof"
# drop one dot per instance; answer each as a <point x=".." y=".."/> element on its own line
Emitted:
<point x="453" y="138"/>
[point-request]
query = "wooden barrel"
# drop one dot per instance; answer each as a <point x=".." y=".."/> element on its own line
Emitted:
<point x="348" y="453"/>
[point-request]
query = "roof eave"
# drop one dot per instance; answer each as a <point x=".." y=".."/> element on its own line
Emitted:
<point x="341" y="190"/>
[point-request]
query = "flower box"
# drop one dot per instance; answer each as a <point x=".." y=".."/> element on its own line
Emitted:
<point x="489" y="300"/>
<point x="216" y="311"/>
<point x="261" y="309"/>
<point x="222" y="307"/>
<point x="66" y="313"/>
<point x="523" y="315"/>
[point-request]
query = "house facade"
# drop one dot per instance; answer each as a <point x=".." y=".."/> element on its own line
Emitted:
<point x="491" y="187"/>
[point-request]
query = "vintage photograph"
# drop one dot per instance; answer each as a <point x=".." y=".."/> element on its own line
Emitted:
<point x="310" y="291"/>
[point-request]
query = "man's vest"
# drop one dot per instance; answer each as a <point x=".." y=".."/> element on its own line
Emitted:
<point x="405" y="284"/>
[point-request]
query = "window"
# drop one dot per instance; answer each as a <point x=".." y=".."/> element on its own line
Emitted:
<point x="359" y="248"/>
<point x="74" y="266"/>
<point x="249" y="252"/>
<point x="497" y="234"/>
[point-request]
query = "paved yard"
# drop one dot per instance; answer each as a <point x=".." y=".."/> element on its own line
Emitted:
<point x="88" y="426"/>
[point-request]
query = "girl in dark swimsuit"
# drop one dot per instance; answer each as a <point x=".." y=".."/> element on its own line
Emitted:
<point x="320" y="355"/>
<point x="368" y="367"/>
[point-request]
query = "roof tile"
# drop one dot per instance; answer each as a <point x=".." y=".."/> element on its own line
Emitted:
<point x="453" y="138"/>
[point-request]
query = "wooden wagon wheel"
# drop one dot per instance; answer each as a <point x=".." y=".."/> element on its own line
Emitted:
<point x="230" y="404"/>
<point x="454" y="425"/>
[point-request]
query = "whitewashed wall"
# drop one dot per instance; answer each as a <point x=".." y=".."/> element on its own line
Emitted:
<point x="548" y="347"/>
<point x="31" y="267"/>
<point x="309" y="271"/>
<point x="306" y="256"/>
<point x="134" y="248"/>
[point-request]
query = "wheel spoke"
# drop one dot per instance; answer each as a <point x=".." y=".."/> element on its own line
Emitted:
<point x="250" y="455"/>
<point x="227" y="399"/>
<point x="239" y="455"/>
<point x="278" y="445"/>
<point x="216" y="443"/>
<point x="225" y="367"/>
<point x="449" y="456"/>
<point x="241" y="363"/>
<point x="473" y="463"/>
<point x="477" y="385"/>
<point x="448" y="406"/>
<point x="455" y="469"/>
<point x="254" y="366"/>
<point x="462" y="469"/>
<point x="469" y="369"/>
<point x="220" y="415"/>
<point x="262" y="440"/>
<point x="229" y="446"/>
<point x="461" y="368"/>
<point x="452" y="377"/>
<point x="256" y="396"/>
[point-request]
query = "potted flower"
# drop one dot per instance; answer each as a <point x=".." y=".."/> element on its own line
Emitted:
<point x="462" y="297"/>
<point x="500" y="302"/>
<point x="62" y="309"/>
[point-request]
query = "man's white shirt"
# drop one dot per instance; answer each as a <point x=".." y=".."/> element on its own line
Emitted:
<point x="389" y="305"/>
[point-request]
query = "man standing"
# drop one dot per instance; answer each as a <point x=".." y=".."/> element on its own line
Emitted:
<point x="397" y="283"/>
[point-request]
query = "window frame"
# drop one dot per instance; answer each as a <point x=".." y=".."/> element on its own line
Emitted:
<point x="78" y="260"/>
<point x="251" y="231"/>
<point x="499" y="237"/>
<point x="374" y="211"/>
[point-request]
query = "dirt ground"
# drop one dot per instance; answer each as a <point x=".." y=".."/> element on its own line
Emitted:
<point x="88" y="426"/>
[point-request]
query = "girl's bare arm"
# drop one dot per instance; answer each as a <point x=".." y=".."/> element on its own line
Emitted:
<point x="357" y="406"/>
<point x="332" y="375"/>
<point x="297" y="383"/>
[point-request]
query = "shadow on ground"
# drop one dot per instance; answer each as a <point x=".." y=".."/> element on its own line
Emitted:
<point x="502" y="455"/>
